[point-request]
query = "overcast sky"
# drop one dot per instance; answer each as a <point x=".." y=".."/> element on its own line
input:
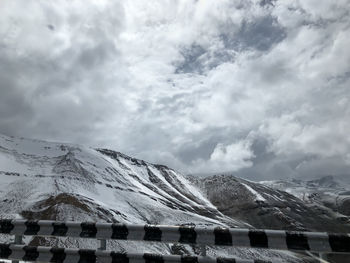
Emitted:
<point x="259" y="88"/>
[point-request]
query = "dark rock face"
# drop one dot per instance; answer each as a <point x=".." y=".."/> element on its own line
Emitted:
<point x="265" y="207"/>
<point x="344" y="205"/>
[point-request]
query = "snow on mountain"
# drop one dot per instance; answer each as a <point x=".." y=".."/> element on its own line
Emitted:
<point x="41" y="180"/>
<point x="55" y="181"/>
<point x="265" y="207"/>
<point x="327" y="192"/>
<point x="300" y="188"/>
<point x="67" y="182"/>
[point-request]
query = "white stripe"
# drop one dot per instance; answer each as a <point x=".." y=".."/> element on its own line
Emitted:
<point x="318" y="242"/>
<point x="276" y="239"/>
<point x="17" y="252"/>
<point x="19" y="227"/>
<point x="136" y="232"/>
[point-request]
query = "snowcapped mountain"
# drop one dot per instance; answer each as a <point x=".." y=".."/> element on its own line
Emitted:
<point x="55" y="181"/>
<point x="327" y="191"/>
<point x="299" y="187"/>
<point x="41" y="180"/>
<point x="266" y="207"/>
<point x="66" y="182"/>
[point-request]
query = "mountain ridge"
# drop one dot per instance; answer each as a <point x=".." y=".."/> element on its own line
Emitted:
<point x="266" y="207"/>
<point x="69" y="182"/>
<point x="86" y="176"/>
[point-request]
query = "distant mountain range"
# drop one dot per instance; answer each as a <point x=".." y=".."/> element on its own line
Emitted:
<point x="328" y="191"/>
<point x="271" y="205"/>
<point x="56" y="181"/>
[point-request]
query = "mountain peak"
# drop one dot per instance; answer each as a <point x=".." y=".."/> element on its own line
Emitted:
<point x="99" y="184"/>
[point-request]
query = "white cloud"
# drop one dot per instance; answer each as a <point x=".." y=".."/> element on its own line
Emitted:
<point x="232" y="157"/>
<point x="181" y="82"/>
<point x="224" y="158"/>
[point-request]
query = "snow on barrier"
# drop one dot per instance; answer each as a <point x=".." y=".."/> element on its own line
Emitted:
<point x="218" y="236"/>
<point x="62" y="255"/>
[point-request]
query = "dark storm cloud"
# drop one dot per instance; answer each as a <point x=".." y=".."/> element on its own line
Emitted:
<point x="259" y="88"/>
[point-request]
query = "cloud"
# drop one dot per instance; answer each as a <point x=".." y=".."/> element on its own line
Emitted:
<point x="232" y="157"/>
<point x="255" y="87"/>
<point x="59" y="80"/>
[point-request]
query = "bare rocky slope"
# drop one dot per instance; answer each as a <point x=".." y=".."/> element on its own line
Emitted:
<point x="327" y="191"/>
<point x="266" y="207"/>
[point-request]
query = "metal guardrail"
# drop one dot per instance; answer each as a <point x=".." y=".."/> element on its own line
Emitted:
<point x="252" y="238"/>
<point x="61" y="255"/>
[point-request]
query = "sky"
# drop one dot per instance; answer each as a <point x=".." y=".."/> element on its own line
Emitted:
<point x="259" y="88"/>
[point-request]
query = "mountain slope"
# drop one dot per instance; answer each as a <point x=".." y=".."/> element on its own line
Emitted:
<point x="41" y="180"/>
<point x="327" y="191"/>
<point x="265" y="207"/>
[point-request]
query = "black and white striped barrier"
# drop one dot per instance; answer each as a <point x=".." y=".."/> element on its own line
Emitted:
<point x="62" y="255"/>
<point x="269" y="239"/>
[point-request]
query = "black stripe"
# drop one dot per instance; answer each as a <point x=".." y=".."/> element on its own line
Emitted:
<point x="187" y="235"/>
<point x="32" y="228"/>
<point x="6" y="226"/>
<point x="225" y="260"/>
<point x="223" y="236"/>
<point x="119" y="232"/>
<point x="297" y="241"/>
<point x="119" y="257"/>
<point x="87" y="256"/>
<point x="59" y="229"/>
<point x="88" y="230"/>
<point x="5" y="251"/>
<point x="151" y="258"/>
<point x="31" y="253"/>
<point x="189" y="259"/>
<point x="339" y="243"/>
<point x="264" y="261"/>
<point x="152" y="233"/>
<point x="258" y="238"/>
<point x="58" y="255"/>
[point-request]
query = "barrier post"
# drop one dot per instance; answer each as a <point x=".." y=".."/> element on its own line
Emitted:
<point x="18" y="241"/>
<point x="103" y="244"/>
